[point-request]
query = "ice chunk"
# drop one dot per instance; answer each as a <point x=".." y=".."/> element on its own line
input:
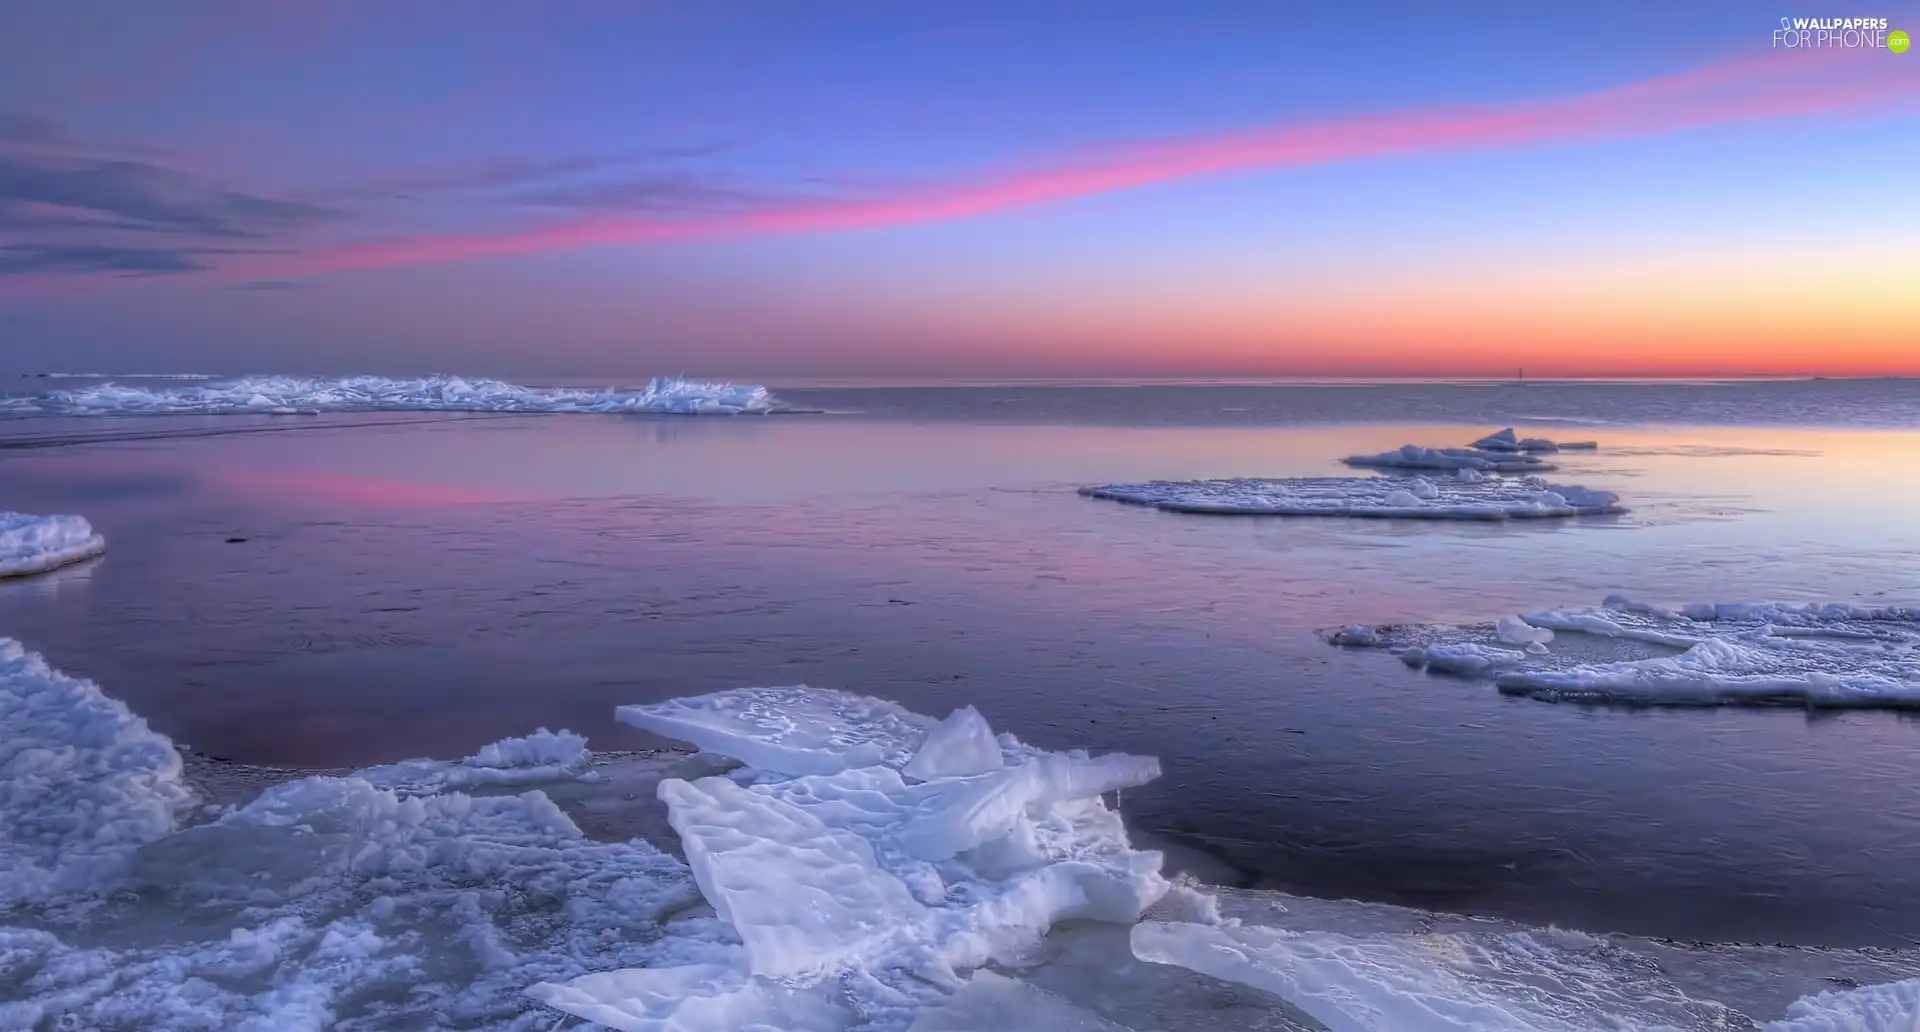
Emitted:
<point x="1543" y="981"/>
<point x="1383" y="497"/>
<point x="1499" y="440"/>
<point x="1422" y="488"/>
<point x="960" y="814"/>
<point x="792" y="730"/>
<point x="1749" y="668"/>
<point x="1413" y="456"/>
<point x="670" y="395"/>
<point x="693" y="998"/>
<point x="996" y="1003"/>
<point x="959" y="746"/>
<point x="1507" y="441"/>
<point x="1358" y="634"/>
<point x="805" y="898"/>
<point x="83" y="781"/>
<point x="540" y="757"/>
<point x="1464" y="659"/>
<point x="1517" y="631"/>
<point x="1889" y="1007"/>
<point x="36" y="544"/>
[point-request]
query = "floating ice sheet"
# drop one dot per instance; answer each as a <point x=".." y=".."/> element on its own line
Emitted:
<point x="292" y="394"/>
<point x="1834" y="655"/>
<point x="1413" y="456"/>
<point x="1443" y="498"/>
<point x="792" y="730"/>
<point x="36" y="544"/>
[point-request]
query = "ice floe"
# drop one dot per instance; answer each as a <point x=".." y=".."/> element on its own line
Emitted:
<point x="36" y="544"/>
<point x="543" y="756"/>
<point x="296" y="394"/>
<point x="1413" y="456"/>
<point x="1508" y="441"/>
<point x="1834" y="655"/>
<point x="1383" y="497"/>
<point x="1889" y="1007"/>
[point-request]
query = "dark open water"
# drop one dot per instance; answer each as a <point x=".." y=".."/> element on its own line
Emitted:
<point x="420" y="584"/>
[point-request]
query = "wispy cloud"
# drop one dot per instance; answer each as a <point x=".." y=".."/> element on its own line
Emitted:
<point x="66" y="208"/>
<point x="1731" y="92"/>
<point x="267" y="284"/>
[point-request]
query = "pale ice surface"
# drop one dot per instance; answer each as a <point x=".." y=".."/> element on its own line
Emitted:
<point x="1507" y="441"/>
<point x="1413" y="456"/>
<point x="1824" y="655"/>
<point x="299" y="394"/>
<point x="794" y="730"/>
<point x="1380" y="497"/>
<point x="36" y="544"/>
<point x="991" y="1002"/>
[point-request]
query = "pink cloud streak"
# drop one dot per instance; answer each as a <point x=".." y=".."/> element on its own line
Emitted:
<point x="1772" y="86"/>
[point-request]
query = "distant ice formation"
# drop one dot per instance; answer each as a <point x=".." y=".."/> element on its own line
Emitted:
<point x="296" y="394"/>
<point x="857" y="897"/>
<point x="1507" y="441"/>
<point x="1443" y="498"/>
<point x="1413" y="456"/>
<point x="1835" y="655"/>
<point x="36" y="544"/>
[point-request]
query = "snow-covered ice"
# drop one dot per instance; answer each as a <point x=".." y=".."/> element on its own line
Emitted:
<point x="1413" y="456"/>
<point x="959" y="746"/>
<point x="1381" y="497"/>
<point x="83" y="781"/>
<point x="1507" y="441"/>
<point x="794" y="730"/>
<point x="1833" y="655"/>
<point x="36" y="544"/>
<point x="299" y="394"/>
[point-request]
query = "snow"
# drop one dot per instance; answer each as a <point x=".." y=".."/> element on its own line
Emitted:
<point x="959" y="746"/>
<point x="1413" y="456"/>
<point x="36" y="544"/>
<point x="83" y="781"/>
<point x="295" y="394"/>
<point x="1891" y="1007"/>
<point x="1507" y="441"/>
<point x="543" y="756"/>
<point x="1381" y="497"/>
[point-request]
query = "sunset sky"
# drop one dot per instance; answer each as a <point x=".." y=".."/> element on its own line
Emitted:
<point x="782" y="190"/>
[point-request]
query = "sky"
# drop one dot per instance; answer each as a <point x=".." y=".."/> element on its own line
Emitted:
<point x="791" y="189"/>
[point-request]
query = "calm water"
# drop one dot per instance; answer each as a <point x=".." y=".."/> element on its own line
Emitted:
<point x="420" y="584"/>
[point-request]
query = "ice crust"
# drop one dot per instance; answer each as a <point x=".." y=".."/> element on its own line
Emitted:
<point x="1832" y="655"/>
<point x="296" y="394"/>
<point x="36" y="544"/>
<point x="1477" y="458"/>
<point x="1381" y="497"/>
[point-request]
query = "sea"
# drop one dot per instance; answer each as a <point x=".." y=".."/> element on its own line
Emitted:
<point x="337" y="590"/>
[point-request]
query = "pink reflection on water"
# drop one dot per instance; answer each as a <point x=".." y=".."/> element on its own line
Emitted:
<point x="297" y="485"/>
